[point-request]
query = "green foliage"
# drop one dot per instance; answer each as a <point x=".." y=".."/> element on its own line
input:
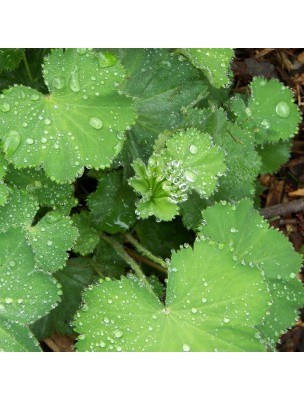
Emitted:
<point x="128" y="179"/>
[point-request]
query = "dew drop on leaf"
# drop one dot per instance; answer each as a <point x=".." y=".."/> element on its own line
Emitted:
<point x="81" y="51"/>
<point x="29" y="141"/>
<point x="265" y="123"/>
<point x="186" y="347"/>
<point x="74" y="80"/>
<point x="226" y="320"/>
<point x="8" y="300"/>
<point x="47" y="121"/>
<point x="193" y="149"/>
<point x="95" y="122"/>
<point x="5" y="107"/>
<point x="106" y="60"/>
<point x="190" y="176"/>
<point x="35" y="97"/>
<point x="283" y="109"/>
<point x="49" y="243"/>
<point x="118" y="333"/>
<point x="58" y="82"/>
<point x="11" y="141"/>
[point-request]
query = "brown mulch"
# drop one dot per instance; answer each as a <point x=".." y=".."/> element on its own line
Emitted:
<point x="285" y="189"/>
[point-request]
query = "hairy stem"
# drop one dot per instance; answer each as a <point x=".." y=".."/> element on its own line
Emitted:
<point x="129" y="260"/>
<point x="145" y="252"/>
<point x="28" y="71"/>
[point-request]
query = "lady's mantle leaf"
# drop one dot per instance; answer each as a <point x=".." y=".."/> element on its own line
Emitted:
<point x="80" y="123"/>
<point x="251" y="241"/>
<point x="212" y="304"/>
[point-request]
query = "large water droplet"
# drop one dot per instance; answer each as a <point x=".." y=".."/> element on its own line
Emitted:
<point x="58" y="82"/>
<point x="11" y="141"/>
<point x="118" y="333"/>
<point x="106" y="60"/>
<point x="81" y="51"/>
<point x="190" y="176"/>
<point x="95" y="122"/>
<point x="193" y="149"/>
<point x="283" y="109"/>
<point x="5" y="107"/>
<point x="74" y="80"/>
<point x="186" y="347"/>
<point x="29" y="141"/>
<point x="35" y="97"/>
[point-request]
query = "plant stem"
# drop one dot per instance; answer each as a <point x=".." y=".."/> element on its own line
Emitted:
<point x="145" y="252"/>
<point x="28" y="71"/>
<point x="129" y="260"/>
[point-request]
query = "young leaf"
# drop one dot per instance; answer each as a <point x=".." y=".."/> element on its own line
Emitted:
<point x="80" y="123"/>
<point x="215" y="63"/>
<point x="251" y="241"/>
<point x="112" y="205"/>
<point x="212" y="304"/>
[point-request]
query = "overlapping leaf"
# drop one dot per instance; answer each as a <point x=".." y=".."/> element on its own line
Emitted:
<point x="252" y="241"/>
<point x="10" y="58"/>
<point x="80" y="123"/>
<point x="215" y="63"/>
<point x="15" y="337"/>
<point x="212" y="304"/>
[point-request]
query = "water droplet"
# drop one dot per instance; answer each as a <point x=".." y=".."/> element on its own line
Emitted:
<point x="5" y="107"/>
<point x="74" y="80"/>
<point x="248" y="111"/>
<point x="102" y="344"/>
<point x="263" y="82"/>
<point x="81" y="337"/>
<point x="265" y="123"/>
<point x="29" y="141"/>
<point x="43" y="140"/>
<point x="11" y="141"/>
<point x="226" y="320"/>
<point x="204" y="300"/>
<point x="95" y="122"/>
<point x="186" y="347"/>
<point x="283" y="109"/>
<point x="193" y="149"/>
<point x="190" y="176"/>
<point x="106" y="60"/>
<point x="233" y="230"/>
<point x="8" y="300"/>
<point x="35" y="97"/>
<point x="49" y="243"/>
<point x="47" y="121"/>
<point x="58" y="82"/>
<point x="118" y="333"/>
<point x="194" y="310"/>
<point x="81" y="51"/>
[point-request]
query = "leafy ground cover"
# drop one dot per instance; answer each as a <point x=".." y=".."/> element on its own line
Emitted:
<point x="133" y="188"/>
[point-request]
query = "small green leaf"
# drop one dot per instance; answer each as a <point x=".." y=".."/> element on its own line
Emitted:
<point x="16" y="338"/>
<point x="272" y="111"/>
<point x="274" y="155"/>
<point x="50" y="240"/>
<point x="112" y="205"/>
<point x="88" y="236"/>
<point x="201" y="161"/>
<point x="215" y="63"/>
<point x="80" y="123"/>
<point x="202" y="312"/>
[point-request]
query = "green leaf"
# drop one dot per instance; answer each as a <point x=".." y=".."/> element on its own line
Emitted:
<point x="202" y="311"/>
<point x="35" y="182"/>
<point x="191" y="210"/>
<point x="201" y="161"/>
<point x="4" y="190"/>
<point x="112" y="205"/>
<point x="274" y="155"/>
<point x="16" y="338"/>
<point x="26" y="293"/>
<point x="50" y="240"/>
<point x="88" y="236"/>
<point x="80" y="123"/>
<point x="272" y="111"/>
<point x="252" y="241"/>
<point x="73" y="279"/>
<point x="10" y="58"/>
<point x="215" y="63"/>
